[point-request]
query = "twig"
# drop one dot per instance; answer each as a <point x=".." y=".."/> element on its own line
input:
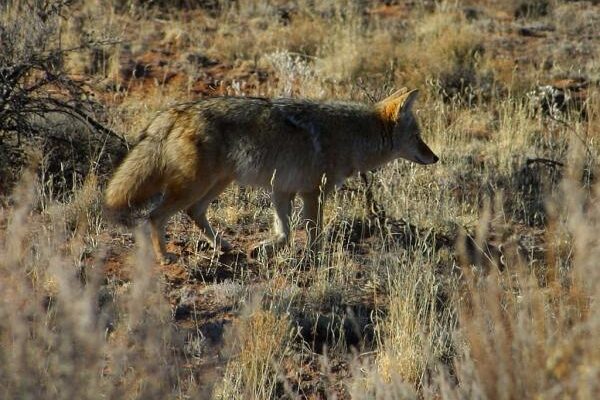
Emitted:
<point x="82" y="116"/>
<point x="565" y="123"/>
<point x="547" y="161"/>
<point x="362" y="87"/>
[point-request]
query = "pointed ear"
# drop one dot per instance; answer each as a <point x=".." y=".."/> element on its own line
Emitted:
<point x="394" y="95"/>
<point x="399" y="104"/>
<point x="389" y="110"/>
<point x="408" y="103"/>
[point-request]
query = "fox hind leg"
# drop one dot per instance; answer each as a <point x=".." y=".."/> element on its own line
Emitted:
<point x="312" y="213"/>
<point x="282" y="202"/>
<point x="198" y="213"/>
<point x="283" y="209"/>
<point x="158" y="218"/>
<point x="173" y="201"/>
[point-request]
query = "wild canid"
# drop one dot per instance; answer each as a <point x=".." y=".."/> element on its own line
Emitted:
<point x="191" y="152"/>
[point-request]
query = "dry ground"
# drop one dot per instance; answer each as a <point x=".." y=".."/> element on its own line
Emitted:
<point x="473" y="278"/>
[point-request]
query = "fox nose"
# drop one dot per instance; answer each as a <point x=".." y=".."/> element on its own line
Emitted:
<point x="435" y="158"/>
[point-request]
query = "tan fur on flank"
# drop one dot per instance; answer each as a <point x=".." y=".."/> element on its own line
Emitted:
<point x="190" y="153"/>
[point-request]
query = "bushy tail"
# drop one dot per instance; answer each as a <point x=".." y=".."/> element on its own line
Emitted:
<point x="136" y="179"/>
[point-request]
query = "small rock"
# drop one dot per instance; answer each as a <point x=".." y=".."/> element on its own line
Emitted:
<point x="472" y="13"/>
<point x="201" y="60"/>
<point x="536" y="30"/>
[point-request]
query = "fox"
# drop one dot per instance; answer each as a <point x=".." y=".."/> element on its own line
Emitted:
<point x="189" y="154"/>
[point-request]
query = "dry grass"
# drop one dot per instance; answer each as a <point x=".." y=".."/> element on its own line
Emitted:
<point x="258" y="344"/>
<point x="480" y="282"/>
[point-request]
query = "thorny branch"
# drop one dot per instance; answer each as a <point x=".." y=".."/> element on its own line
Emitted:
<point x="33" y="83"/>
<point x="574" y="131"/>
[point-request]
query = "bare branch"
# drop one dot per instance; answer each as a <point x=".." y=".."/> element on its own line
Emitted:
<point x="547" y="161"/>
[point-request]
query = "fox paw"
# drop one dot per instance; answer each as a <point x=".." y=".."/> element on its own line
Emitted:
<point x="268" y="248"/>
<point x="262" y="249"/>
<point x="168" y="258"/>
<point x="223" y="245"/>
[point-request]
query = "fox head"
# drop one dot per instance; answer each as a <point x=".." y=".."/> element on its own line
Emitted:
<point x="396" y="112"/>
